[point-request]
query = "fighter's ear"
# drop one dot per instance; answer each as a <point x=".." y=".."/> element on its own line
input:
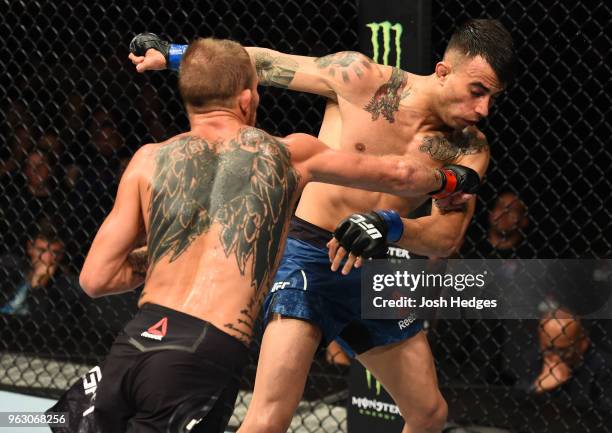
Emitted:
<point x="244" y="100"/>
<point x="443" y="70"/>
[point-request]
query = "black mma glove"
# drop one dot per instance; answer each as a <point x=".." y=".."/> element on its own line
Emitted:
<point x="367" y="234"/>
<point x="457" y="178"/>
<point x="172" y="52"/>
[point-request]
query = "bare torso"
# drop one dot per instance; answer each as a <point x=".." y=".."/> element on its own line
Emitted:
<point x="215" y="210"/>
<point x="348" y="126"/>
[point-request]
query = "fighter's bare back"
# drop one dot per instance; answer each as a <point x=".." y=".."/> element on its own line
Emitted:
<point x="215" y="210"/>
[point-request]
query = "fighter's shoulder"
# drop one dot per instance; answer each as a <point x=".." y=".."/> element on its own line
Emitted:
<point x="471" y="140"/>
<point x="473" y="148"/>
<point x="301" y="142"/>
<point x="295" y="138"/>
<point x="139" y="165"/>
<point x="145" y="153"/>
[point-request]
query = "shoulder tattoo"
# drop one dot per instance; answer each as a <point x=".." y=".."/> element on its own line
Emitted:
<point x="386" y="99"/>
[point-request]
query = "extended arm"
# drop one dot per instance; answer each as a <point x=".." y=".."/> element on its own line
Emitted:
<point x="437" y="235"/>
<point x="392" y="174"/>
<point x="336" y="74"/>
<point x="441" y="233"/>
<point x="343" y="73"/>
<point x="107" y="269"/>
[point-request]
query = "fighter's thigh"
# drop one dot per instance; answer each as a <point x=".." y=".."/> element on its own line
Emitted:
<point x="407" y="371"/>
<point x="287" y="349"/>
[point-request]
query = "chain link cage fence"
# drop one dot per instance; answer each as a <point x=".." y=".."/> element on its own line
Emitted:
<point x="73" y="112"/>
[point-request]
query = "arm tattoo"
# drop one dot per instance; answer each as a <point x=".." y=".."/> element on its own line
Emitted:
<point x="387" y="98"/>
<point x="275" y="71"/>
<point x="343" y="61"/>
<point x="461" y="143"/>
<point x="139" y="260"/>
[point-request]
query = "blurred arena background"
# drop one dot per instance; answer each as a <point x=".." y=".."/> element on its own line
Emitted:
<point x="73" y="111"/>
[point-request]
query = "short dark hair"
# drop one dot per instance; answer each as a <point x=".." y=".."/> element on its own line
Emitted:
<point x="214" y="72"/>
<point x="488" y="39"/>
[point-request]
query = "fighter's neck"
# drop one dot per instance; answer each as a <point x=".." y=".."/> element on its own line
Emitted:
<point x="423" y="102"/>
<point x="222" y="122"/>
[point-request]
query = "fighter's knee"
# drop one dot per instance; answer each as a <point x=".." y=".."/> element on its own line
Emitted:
<point x="439" y="416"/>
<point x="430" y="418"/>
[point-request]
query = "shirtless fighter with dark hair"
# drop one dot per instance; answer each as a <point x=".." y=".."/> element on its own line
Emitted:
<point x="214" y="205"/>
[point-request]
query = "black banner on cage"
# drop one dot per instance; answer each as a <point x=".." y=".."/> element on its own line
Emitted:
<point x="370" y="407"/>
<point x="397" y="33"/>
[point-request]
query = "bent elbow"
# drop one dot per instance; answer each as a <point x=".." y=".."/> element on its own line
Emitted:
<point x="90" y="285"/>
<point x="449" y="247"/>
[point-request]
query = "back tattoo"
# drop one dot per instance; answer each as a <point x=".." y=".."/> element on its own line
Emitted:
<point x="245" y="184"/>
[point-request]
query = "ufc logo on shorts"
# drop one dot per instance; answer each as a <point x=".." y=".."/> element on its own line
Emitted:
<point x="369" y="228"/>
<point x="279" y="285"/>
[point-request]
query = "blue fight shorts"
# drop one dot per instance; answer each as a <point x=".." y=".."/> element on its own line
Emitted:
<point x="306" y="288"/>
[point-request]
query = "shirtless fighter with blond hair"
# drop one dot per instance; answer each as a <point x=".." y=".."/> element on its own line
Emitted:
<point x="214" y="206"/>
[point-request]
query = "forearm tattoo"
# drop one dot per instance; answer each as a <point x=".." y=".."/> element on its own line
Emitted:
<point x="343" y="62"/>
<point x="275" y="71"/>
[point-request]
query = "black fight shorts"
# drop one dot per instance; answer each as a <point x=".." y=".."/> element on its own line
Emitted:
<point x="167" y="372"/>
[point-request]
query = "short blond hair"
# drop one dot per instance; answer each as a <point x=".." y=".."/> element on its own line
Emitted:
<point x="213" y="72"/>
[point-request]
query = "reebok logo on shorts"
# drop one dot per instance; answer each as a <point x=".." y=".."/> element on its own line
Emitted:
<point x="404" y="323"/>
<point x="157" y="331"/>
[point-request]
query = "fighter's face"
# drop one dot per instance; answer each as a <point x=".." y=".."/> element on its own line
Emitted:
<point x="468" y="92"/>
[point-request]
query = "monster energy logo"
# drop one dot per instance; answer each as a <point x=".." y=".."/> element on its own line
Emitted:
<point x="371" y="406"/>
<point x="369" y="381"/>
<point x="386" y="27"/>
